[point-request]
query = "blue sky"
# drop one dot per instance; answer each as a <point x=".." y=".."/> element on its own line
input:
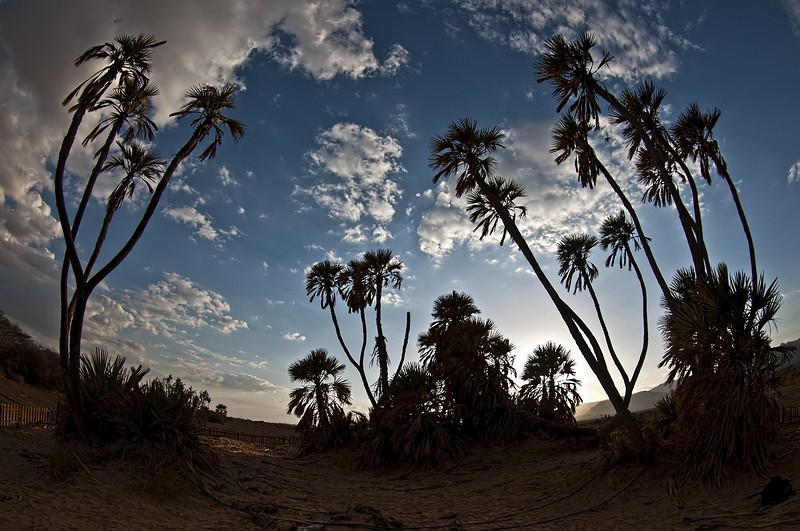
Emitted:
<point x="341" y="100"/>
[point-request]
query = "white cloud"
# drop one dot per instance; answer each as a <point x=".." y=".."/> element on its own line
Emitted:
<point x="225" y="177"/>
<point x="794" y="172"/>
<point x="361" y="162"/>
<point x="398" y="122"/>
<point x="397" y="58"/>
<point x="175" y="304"/>
<point x="634" y="32"/>
<point x="792" y="8"/>
<point x="294" y="336"/>
<point x="197" y="220"/>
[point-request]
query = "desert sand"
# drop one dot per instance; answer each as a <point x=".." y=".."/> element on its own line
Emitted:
<point x="539" y="483"/>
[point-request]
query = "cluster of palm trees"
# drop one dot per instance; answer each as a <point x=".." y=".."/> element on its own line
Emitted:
<point x="707" y="349"/>
<point x="360" y="285"/>
<point x="120" y="95"/>
<point x="461" y="389"/>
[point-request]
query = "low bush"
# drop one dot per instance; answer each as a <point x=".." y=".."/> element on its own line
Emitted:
<point x="158" y="420"/>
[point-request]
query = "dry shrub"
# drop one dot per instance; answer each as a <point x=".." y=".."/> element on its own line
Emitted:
<point x="725" y="419"/>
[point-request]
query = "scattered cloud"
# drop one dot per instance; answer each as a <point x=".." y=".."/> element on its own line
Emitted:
<point x="362" y="162"/>
<point x="792" y="8"/>
<point x="397" y="58"/>
<point x="398" y="122"/>
<point x="794" y="172"/>
<point x="225" y="177"/>
<point x="188" y="215"/>
<point x="635" y="32"/>
<point x="294" y="336"/>
<point x="174" y="304"/>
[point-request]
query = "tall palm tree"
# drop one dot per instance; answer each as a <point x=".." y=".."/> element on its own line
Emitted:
<point x="551" y="388"/>
<point x="484" y="216"/>
<point x="572" y="71"/>
<point x="323" y="393"/>
<point x="693" y="132"/>
<point x="382" y="270"/>
<point x="128" y="60"/>
<point x="617" y="235"/>
<point x="207" y="105"/>
<point x="467" y="152"/>
<point x="325" y="280"/>
<point x="573" y="257"/>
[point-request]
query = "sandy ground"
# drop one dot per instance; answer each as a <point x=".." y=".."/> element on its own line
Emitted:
<point x="537" y="484"/>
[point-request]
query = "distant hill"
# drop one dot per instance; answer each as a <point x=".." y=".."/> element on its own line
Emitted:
<point x="647" y="399"/>
<point x="639" y="402"/>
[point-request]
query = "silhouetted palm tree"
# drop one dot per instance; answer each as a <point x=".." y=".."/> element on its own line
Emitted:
<point x="325" y="280"/>
<point x="574" y="266"/>
<point x="550" y="388"/>
<point x="718" y="348"/>
<point x="693" y="132"/>
<point x="382" y="270"/>
<point x="617" y="235"/>
<point x="466" y="152"/>
<point x="571" y="70"/>
<point x="570" y="138"/>
<point x="323" y="393"/>
<point x="448" y="310"/>
<point x="207" y="105"/>
<point x="484" y="216"/>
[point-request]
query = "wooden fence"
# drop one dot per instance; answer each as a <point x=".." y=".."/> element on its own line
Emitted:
<point x="17" y="415"/>
<point x="246" y="437"/>
<point x="790" y="413"/>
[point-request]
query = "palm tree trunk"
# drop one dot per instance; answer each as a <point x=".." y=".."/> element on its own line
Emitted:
<point x="688" y="224"/>
<point x="648" y="251"/>
<point x="645" y="331"/>
<point x="359" y="366"/>
<point x="720" y="164"/>
<point x="606" y="334"/>
<point x="575" y="325"/>
<point x="383" y="355"/>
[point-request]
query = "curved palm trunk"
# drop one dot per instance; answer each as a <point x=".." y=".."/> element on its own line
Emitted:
<point x="575" y="325"/>
<point x="648" y="251"/>
<point x="723" y="171"/>
<point x="688" y="224"/>
<point x="607" y="336"/>
<point x="645" y="331"/>
<point x="359" y="366"/>
<point x="405" y="346"/>
<point x="383" y="355"/>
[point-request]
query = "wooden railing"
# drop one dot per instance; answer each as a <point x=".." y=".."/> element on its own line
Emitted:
<point x="18" y="415"/>
<point x="247" y="437"/>
<point x="790" y="413"/>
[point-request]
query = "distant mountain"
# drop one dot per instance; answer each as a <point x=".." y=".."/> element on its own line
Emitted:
<point x="639" y="402"/>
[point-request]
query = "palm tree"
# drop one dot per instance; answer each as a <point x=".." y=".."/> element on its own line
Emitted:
<point x="571" y="70"/>
<point x="325" y="280"/>
<point x="617" y="235"/>
<point x="693" y="132"/>
<point x="319" y="401"/>
<point x="128" y="60"/>
<point x="550" y="387"/>
<point x="718" y="348"/>
<point x="466" y="152"/>
<point x="448" y="310"/>
<point x="570" y="138"/>
<point x="207" y="104"/>
<point x="382" y="270"/>
<point x="484" y="216"/>
<point x="573" y="257"/>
